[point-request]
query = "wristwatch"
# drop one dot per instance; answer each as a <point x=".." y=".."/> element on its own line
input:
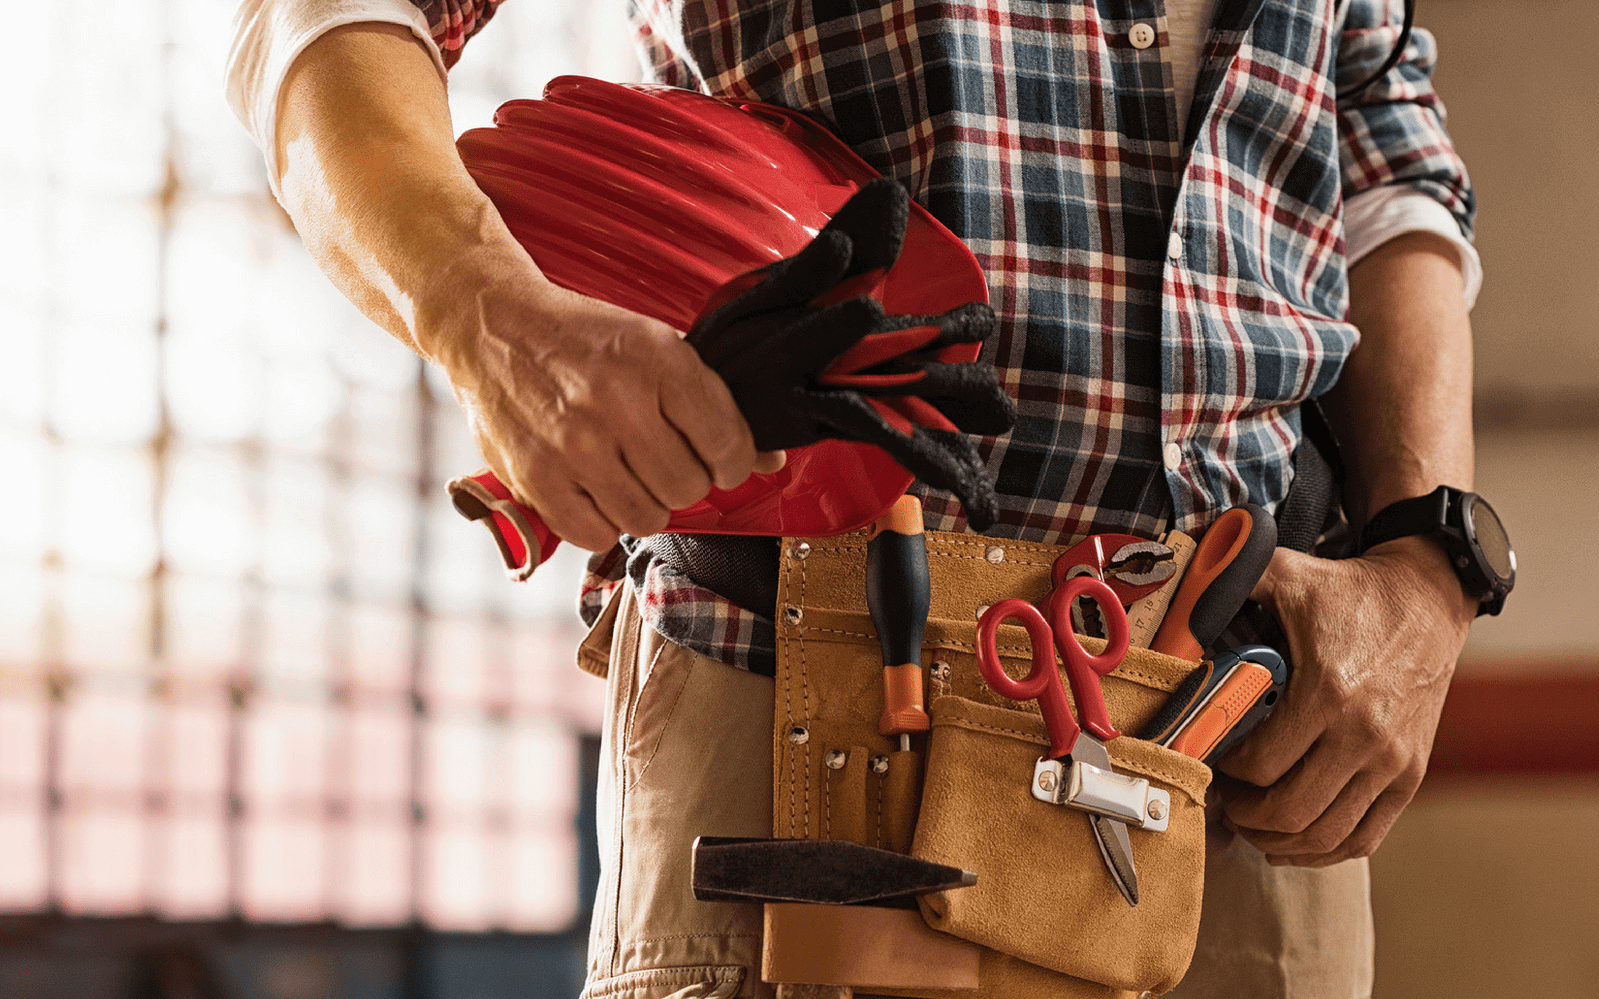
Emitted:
<point x="1471" y="533"/>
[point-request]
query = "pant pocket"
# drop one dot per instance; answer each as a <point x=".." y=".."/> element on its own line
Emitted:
<point x="594" y="652"/>
<point x="706" y="981"/>
<point x="663" y="672"/>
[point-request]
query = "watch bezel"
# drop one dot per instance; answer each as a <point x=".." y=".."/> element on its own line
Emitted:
<point x="1496" y="585"/>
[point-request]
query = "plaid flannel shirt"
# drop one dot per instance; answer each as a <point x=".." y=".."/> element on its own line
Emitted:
<point x="1164" y="305"/>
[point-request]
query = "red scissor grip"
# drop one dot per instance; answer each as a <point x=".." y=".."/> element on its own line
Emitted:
<point x="1082" y="669"/>
<point x="1043" y="680"/>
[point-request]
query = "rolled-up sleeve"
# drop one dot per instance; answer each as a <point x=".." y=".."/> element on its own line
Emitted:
<point x="268" y="35"/>
<point x="1393" y="132"/>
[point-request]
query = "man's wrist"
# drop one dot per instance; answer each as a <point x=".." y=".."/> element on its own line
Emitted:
<point x="449" y="323"/>
<point x="1425" y="556"/>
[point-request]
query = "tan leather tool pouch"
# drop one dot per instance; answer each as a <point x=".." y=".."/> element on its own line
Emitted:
<point x="1045" y="910"/>
<point x="1043" y="894"/>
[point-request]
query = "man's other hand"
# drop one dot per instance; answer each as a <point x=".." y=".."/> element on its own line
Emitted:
<point x="1374" y="641"/>
<point x="601" y="419"/>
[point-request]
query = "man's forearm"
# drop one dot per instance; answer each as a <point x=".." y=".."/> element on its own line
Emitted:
<point x="602" y="419"/>
<point x="1402" y="407"/>
<point x="1374" y="639"/>
<point x="373" y="182"/>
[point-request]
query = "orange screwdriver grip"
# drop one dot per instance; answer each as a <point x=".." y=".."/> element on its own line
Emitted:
<point x="902" y="692"/>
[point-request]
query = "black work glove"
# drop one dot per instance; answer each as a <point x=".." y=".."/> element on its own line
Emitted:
<point x="809" y="356"/>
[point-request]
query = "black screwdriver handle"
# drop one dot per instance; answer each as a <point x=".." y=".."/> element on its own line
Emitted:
<point x="898" y="594"/>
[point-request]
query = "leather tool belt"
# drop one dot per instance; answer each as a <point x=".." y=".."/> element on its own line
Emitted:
<point x="1048" y="919"/>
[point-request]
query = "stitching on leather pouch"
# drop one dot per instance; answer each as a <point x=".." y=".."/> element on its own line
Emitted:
<point x="805" y="693"/>
<point x="1049" y="552"/>
<point x="840" y="631"/>
<point x="1175" y="780"/>
<point x="827" y="804"/>
<point x="788" y="710"/>
<point x="880" y="813"/>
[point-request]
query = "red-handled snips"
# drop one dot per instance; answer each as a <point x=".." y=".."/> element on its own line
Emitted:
<point x="1083" y="670"/>
<point x="1077" y="772"/>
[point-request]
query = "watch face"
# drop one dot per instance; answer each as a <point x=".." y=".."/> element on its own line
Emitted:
<point x="1492" y="539"/>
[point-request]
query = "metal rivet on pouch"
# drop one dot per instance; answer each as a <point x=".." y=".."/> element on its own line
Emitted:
<point x="994" y="554"/>
<point x="1046" y="781"/>
<point x="879" y="765"/>
<point x="792" y="614"/>
<point x="982" y="610"/>
<point x="799" y="551"/>
<point x="798" y="736"/>
<point x="835" y="759"/>
<point x="1157" y="809"/>
<point x="940" y="670"/>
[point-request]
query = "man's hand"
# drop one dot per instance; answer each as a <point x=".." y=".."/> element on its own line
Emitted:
<point x="603" y="420"/>
<point x="1373" y="639"/>
<point x="1374" y="642"/>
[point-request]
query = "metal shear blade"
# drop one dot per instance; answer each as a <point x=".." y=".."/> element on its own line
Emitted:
<point x="1110" y="835"/>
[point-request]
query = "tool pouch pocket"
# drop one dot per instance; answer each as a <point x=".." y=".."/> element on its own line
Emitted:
<point x="1043" y="893"/>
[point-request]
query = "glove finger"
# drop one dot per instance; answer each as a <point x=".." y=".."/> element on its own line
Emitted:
<point x="969" y="323"/>
<point x="989" y="413"/>
<point x="874" y="218"/>
<point x="911" y="412"/>
<point x="972" y="485"/>
<point x="788" y="284"/>
<point x="802" y="349"/>
<point x="944" y="459"/>
<point x="873" y="350"/>
<point x="915" y="340"/>
<point x="969" y="394"/>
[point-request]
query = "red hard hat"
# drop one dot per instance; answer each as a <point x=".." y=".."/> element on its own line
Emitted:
<point x="652" y="197"/>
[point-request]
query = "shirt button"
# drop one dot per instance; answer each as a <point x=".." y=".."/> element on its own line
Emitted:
<point x="1142" y="36"/>
<point x="1173" y="456"/>
<point x="1174" y="246"/>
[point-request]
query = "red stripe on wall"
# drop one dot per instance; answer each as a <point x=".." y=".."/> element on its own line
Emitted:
<point x="1520" y="724"/>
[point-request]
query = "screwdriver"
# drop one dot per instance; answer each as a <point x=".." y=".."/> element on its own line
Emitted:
<point x="898" y="595"/>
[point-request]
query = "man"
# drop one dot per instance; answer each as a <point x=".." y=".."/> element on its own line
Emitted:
<point x="1183" y="231"/>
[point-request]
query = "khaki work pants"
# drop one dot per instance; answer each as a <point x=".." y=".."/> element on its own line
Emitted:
<point x="687" y="751"/>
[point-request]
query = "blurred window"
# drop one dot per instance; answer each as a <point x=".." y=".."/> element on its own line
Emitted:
<point x="251" y="663"/>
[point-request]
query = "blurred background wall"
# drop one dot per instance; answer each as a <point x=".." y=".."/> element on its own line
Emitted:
<point x="1489" y="884"/>
<point x="269" y="712"/>
<point x="268" y="707"/>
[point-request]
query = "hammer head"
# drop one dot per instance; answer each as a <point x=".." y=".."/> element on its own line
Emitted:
<point x="825" y="871"/>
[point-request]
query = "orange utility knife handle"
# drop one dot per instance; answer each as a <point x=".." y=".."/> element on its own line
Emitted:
<point x="898" y="595"/>
<point x="1232" y="555"/>
<point x="1222" y="711"/>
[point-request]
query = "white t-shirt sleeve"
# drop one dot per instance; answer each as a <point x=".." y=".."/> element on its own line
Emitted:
<point x="1372" y="218"/>
<point x="268" y="35"/>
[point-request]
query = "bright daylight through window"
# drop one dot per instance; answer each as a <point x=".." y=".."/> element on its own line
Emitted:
<point x="251" y="662"/>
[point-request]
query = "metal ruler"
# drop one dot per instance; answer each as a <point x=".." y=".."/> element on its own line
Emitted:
<point x="1145" y="615"/>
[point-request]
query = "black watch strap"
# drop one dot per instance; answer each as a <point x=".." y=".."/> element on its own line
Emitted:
<point x="1469" y="531"/>
<point x="1427" y="514"/>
